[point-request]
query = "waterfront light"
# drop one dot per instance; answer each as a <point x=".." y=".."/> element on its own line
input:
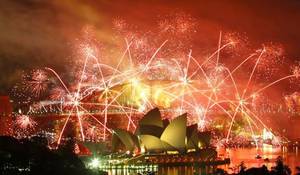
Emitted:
<point x="95" y="163"/>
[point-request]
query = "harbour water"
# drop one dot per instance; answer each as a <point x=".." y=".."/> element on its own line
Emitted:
<point x="267" y="156"/>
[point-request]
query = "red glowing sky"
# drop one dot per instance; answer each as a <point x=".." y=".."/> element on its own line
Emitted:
<point x="36" y="33"/>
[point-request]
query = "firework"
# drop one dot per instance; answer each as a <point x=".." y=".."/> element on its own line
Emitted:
<point x="166" y="75"/>
<point x="37" y="82"/>
<point x="25" y="122"/>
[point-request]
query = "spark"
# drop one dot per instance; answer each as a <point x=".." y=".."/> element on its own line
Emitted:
<point x="24" y="122"/>
<point x="169" y="78"/>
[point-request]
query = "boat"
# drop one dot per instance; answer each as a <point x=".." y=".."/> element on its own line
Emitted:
<point x="257" y="156"/>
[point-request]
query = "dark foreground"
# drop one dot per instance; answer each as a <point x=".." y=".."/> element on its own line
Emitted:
<point x="279" y="169"/>
<point x="33" y="157"/>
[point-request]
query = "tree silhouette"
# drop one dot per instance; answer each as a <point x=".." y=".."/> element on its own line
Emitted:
<point x="298" y="170"/>
<point x="280" y="168"/>
<point x="242" y="168"/>
<point x="33" y="157"/>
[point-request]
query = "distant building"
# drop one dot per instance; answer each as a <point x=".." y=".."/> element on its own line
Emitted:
<point x="5" y="116"/>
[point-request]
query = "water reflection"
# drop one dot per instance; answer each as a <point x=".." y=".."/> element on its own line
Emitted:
<point x="267" y="153"/>
<point x="133" y="171"/>
<point x="176" y="170"/>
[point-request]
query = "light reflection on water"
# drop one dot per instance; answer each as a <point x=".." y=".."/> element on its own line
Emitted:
<point x="178" y="170"/>
<point x="290" y="156"/>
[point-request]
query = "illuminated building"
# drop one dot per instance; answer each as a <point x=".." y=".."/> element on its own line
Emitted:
<point x="5" y="116"/>
<point x="156" y="135"/>
<point x="158" y="141"/>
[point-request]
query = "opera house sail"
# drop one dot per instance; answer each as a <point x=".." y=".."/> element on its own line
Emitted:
<point x="162" y="141"/>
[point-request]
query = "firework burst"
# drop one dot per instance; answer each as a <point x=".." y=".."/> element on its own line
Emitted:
<point x="25" y="122"/>
<point x="167" y="75"/>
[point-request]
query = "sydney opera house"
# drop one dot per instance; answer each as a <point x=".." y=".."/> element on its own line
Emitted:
<point x="167" y="142"/>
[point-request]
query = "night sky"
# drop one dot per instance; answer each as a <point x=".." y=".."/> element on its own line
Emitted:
<point x="38" y="33"/>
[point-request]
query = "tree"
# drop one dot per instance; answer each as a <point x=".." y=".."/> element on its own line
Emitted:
<point x="280" y="168"/>
<point x="298" y="170"/>
<point x="220" y="171"/>
<point x="242" y="168"/>
<point x="33" y="157"/>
